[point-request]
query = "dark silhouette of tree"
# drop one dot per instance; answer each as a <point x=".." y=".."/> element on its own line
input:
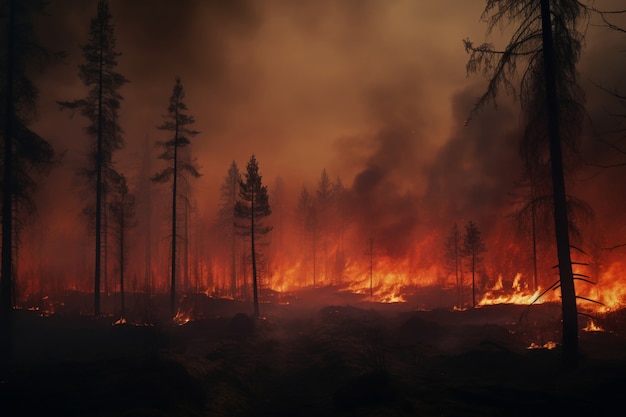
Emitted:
<point x="23" y="153"/>
<point x="123" y="215"/>
<point x="229" y="192"/>
<point x="178" y="122"/>
<point x="473" y="246"/>
<point x="144" y="199"/>
<point x="453" y="255"/>
<point x="279" y="251"/>
<point x="307" y="224"/>
<point x="324" y="201"/>
<point x="548" y="39"/>
<point x="100" y="107"/>
<point x="339" y="194"/>
<point x="251" y="208"/>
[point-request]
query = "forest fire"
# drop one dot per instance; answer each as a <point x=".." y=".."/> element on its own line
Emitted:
<point x="312" y="207"/>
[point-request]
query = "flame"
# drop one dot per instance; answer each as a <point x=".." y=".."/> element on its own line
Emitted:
<point x="548" y="345"/>
<point x="119" y="321"/>
<point x="516" y="294"/>
<point x="181" y="318"/>
<point x="592" y="326"/>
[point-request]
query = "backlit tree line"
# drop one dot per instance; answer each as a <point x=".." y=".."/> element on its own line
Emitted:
<point x="538" y="66"/>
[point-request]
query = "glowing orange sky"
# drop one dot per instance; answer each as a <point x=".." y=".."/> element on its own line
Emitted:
<point x="305" y="85"/>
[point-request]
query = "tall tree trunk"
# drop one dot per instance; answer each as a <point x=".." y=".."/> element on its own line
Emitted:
<point x="174" y="198"/>
<point x="568" y="292"/>
<point x="456" y="272"/>
<point x="186" y="285"/>
<point x="233" y="266"/>
<point x="473" y="280"/>
<point x="122" y="227"/>
<point x="7" y="197"/>
<point x="99" y="187"/>
<point x="255" y="293"/>
<point x="534" y="237"/>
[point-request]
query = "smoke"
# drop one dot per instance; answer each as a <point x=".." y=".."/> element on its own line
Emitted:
<point x="475" y="172"/>
<point x="375" y="92"/>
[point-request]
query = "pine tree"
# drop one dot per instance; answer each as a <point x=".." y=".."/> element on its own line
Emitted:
<point x="229" y="191"/>
<point x="251" y="208"/>
<point x="122" y="209"/>
<point x="100" y="107"/>
<point x="473" y="246"/>
<point x="178" y="122"/>
<point x="453" y="254"/>
<point x="549" y="40"/>
<point x="23" y="153"/>
<point x="324" y="200"/>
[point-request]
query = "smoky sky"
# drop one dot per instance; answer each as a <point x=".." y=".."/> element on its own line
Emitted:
<point x="375" y="92"/>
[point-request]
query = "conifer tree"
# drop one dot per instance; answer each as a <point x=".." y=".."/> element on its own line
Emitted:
<point x="100" y="107"/>
<point x="251" y="209"/>
<point x="122" y="209"/>
<point x="178" y="123"/>
<point x="547" y="38"/>
<point x="23" y="153"/>
<point x="453" y="254"/>
<point x="473" y="246"/>
<point x="229" y="192"/>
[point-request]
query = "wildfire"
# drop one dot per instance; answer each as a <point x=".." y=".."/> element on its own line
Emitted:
<point x="119" y="321"/>
<point x="516" y="294"/>
<point x="592" y="326"/>
<point x="548" y="345"/>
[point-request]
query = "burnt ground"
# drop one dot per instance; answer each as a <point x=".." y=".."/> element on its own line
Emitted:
<point x="339" y="360"/>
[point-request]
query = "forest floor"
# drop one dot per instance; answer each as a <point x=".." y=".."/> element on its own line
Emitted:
<point x="338" y="360"/>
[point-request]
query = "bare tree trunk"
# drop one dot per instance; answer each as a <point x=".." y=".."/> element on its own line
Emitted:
<point x="122" y="225"/>
<point x="233" y="266"/>
<point x="568" y="292"/>
<point x="255" y="293"/>
<point x="186" y="284"/>
<point x="99" y="176"/>
<point x="7" y="198"/>
<point x="473" y="280"/>
<point x="174" y="198"/>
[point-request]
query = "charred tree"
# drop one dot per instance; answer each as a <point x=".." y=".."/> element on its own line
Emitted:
<point x="473" y="246"/>
<point x="122" y="209"/>
<point x="324" y="200"/>
<point x="178" y="123"/>
<point x="307" y="223"/>
<point x="100" y="107"/>
<point x="453" y="255"/>
<point x="23" y="153"/>
<point x="547" y="38"/>
<point x="6" y="304"/>
<point x="251" y="209"/>
<point x="229" y="191"/>
<point x="339" y="201"/>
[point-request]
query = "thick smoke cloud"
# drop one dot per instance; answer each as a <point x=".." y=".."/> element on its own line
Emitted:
<point x="375" y="92"/>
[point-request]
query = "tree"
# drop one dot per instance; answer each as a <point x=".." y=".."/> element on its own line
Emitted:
<point x="307" y="225"/>
<point x="178" y="122"/>
<point x="251" y="208"/>
<point x="23" y="153"/>
<point x="324" y="200"/>
<point x="339" y="194"/>
<point x="122" y="209"/>
<point x="549" y="40"/>
<point x="453" y="253"/>
<point x="473" y="246"/>
<point x="229" y="191"/>
<point x="100" y="107"/>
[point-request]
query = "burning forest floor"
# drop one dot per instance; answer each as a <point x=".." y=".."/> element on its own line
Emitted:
<point x="366" y="359"/>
